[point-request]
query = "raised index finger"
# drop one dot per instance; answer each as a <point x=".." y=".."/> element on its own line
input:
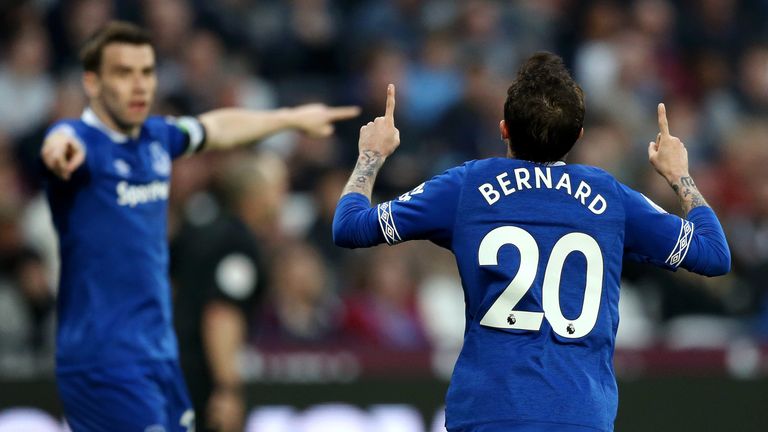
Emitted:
<point x="389" y="113"/>
<point x="663" y="124"/>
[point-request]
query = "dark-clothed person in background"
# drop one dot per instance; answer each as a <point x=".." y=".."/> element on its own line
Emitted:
<point x="219" y="272"/>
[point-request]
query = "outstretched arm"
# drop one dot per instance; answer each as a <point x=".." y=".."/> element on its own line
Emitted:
<point x="231" y="127"/>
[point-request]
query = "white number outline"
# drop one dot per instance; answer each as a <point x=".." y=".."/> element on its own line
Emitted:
<point x="502" y="313"/>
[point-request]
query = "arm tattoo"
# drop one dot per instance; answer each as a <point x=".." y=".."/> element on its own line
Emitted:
<point x="689" y="194"/>
<point x="368" y="164"/>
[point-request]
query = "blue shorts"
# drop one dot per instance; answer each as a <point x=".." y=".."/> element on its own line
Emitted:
<point x="144" y="397"/>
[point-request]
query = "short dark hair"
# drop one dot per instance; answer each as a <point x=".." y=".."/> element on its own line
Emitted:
<point x="544" y="111"/>
<point x="112" y="32"/>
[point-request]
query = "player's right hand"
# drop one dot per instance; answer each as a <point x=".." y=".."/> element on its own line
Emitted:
<point x="381" y="135"/>
<point x="668" y="154"/>
<point x="62" y="154"/>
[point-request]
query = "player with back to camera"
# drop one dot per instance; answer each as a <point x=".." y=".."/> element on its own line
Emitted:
<point x="539" y="246"/>
<point x="109" y="171"/>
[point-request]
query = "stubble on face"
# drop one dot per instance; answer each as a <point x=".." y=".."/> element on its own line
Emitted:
<point x="127" y="85"/>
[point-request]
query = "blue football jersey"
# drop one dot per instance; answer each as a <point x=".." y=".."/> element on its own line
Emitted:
<point x="539" y="249"/>
<point x="114" y="302"/>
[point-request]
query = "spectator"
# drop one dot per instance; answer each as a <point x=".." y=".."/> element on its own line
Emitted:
<point x="26" y="88"/>
<point x="384" y="312"/>
<point x="302" y="311"/>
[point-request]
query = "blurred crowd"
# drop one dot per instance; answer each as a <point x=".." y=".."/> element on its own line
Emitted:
<point x="452" y="62"/>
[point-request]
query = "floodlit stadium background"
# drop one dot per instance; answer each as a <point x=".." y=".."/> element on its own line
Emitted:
<point x="692" y="352"/>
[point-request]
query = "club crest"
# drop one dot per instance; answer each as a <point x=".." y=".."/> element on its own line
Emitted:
<point x="161" y="162"/>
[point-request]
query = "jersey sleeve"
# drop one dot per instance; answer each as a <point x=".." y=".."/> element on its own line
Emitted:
<point x="230" y="271"/>
<point x="652" y="235"/>
<point x="427" y="212"/>
<point x="186" y="135"/>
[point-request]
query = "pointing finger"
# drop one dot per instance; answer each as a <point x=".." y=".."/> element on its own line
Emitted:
<point x="77" y="159"/>
<point x="344" y="112"/>
<point x="663" y="124"/>
<point x="60" y="167"/>
<point x="389" y="113"/>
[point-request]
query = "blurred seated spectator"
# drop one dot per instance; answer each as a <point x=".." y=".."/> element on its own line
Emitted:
<point x="26" y="300"/>
<point x="26" y="89"/>
<point x="301" y="311"/>
<point x="383" y="312"/>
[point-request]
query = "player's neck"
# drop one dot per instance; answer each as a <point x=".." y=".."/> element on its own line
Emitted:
<point x="110" y="122"/>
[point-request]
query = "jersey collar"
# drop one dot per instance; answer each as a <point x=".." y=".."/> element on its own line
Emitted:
<point x="91" y="119"/>
<point x="553" y="163"/>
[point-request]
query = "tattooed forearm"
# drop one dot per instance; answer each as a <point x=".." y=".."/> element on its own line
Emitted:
<point x="368" y="164"/>
<point x="688" y="193"/>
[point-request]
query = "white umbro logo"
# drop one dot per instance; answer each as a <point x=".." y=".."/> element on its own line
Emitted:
<point x="122" y="167"/>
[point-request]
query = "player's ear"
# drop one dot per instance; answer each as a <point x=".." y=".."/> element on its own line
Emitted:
<point x="504" y="131"/>
<point x="581" y="134"/>
<point x="91" y="84"/>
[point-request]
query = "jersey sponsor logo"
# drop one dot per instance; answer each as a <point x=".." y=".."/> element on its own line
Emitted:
<point x="161" y="162"/>
<point x="541" y="178"/>
<point x="133" y="195"/>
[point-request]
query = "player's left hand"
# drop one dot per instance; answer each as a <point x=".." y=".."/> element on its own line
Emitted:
<point x="381" y="136"/>
<point x="316" y="120"/>
<point x="668" y="153"/>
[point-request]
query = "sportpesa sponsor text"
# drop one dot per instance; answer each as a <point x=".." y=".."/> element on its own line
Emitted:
<point x="133" y="195"/>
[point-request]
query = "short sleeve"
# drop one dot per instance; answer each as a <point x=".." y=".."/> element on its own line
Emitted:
<point x="186" y="135"/>
<point x="653" y="235"/>
<point x="230" y="271"/>
<point x="427" y="212"/>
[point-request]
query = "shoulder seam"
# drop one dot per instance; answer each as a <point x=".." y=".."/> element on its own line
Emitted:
<point x="462" y="186"/>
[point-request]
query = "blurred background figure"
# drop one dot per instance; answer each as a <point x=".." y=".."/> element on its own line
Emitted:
<point x="219" y="285"/>
<point x="26" y="302"/>
<point x="302" y="311"/>
<point x="26" y="87"/>
<point x="382" y="311"/>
